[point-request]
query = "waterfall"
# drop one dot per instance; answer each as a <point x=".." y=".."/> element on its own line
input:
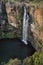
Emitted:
<point x="25" y="26"/>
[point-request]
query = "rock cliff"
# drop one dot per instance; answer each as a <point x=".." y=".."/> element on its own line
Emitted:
<point x="14" y="12"/>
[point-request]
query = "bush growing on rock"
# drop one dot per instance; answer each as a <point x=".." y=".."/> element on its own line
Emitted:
<point x="13" y="62"/>
<point x="36" y="0"/>
<point x="27" y="61"/>
<point x="36" y="59"/>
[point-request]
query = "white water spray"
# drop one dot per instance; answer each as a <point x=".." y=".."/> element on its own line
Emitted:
<point x="25" y="26"/>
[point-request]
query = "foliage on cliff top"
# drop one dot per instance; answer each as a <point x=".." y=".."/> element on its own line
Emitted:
<point x="24" y="0"/>
<point x="36" y="1"/>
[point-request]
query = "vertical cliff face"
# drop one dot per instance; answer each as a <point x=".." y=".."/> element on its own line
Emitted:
<point x="15" y="16"/>
<point x="11" y="13"/>
<point x="38" y="15"/>
<point x="38" y="28"/>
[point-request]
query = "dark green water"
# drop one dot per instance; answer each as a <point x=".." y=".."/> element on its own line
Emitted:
<point x="14" y="48"/>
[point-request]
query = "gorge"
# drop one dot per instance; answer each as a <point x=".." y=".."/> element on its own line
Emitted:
<point x="21" y="30"/>
<point x="16" y="48"/>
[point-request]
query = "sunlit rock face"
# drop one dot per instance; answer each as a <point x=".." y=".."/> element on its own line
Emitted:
<point x="38" y="15"/>
<point x="11" y="13"/>
<point x="37" y="27"/>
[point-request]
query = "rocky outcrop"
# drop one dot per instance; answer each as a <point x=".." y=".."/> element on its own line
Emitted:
<point x="11" y="13"/>
<point x="37" y="26"/>
<point x="38" y="15"/>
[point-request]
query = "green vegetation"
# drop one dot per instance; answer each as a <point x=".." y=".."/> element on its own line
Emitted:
<point x="36" y="1"/>
<point x="20" y="16"/>
<point x="36" y="59"/>
<point x="12" y="62"/>
<point x="24" y="0"/>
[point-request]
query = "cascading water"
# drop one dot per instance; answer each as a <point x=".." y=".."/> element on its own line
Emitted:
<point x="25" y="26"/>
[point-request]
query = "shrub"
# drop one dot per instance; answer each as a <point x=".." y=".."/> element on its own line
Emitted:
<point x="13" y="62"/>
<point x="36" y="59"/>
<point x="28" y="61"/>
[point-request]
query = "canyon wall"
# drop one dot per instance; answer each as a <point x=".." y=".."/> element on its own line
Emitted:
<point x="15" y="21"/>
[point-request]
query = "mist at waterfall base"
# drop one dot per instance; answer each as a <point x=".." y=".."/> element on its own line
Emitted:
<point x="25" y="26"/>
